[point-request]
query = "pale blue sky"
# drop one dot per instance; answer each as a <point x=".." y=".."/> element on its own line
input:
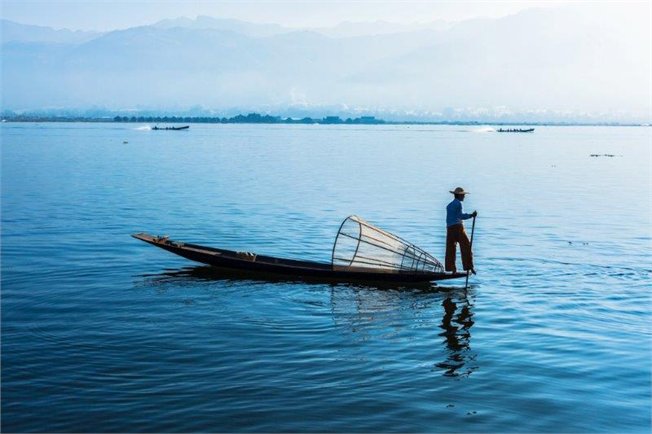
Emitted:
<point x="587" y="57"/>
<point x="115" y="14"/>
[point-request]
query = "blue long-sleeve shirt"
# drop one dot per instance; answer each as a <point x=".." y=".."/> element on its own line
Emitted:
<point x="455" y="213"/>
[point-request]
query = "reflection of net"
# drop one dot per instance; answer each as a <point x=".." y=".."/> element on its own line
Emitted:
<point x="360" y="246"/>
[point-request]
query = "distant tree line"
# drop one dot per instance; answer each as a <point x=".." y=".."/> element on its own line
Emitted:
<point x="251" y="118"/>
<point x="256" y="118"/>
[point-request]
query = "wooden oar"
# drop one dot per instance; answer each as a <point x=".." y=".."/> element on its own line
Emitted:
<point x="466" y="285"/>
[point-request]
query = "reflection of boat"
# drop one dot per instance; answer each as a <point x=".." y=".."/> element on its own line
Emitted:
<point x="515" y="130"/>
<point x="361" y="252"/>
<point x="156" y="128"/>
<point x="388" y="316"/>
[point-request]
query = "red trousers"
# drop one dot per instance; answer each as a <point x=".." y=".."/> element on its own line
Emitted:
<point x="456" y="234"/>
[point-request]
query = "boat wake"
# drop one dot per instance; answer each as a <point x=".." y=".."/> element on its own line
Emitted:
<point x="484" y="130"/>
<point x="143" y="128"/>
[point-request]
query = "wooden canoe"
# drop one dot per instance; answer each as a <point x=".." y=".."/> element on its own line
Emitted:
<point x="252" y="263"/>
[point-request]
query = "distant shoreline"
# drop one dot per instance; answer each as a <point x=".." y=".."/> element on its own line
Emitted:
<point x="255" y="118"/>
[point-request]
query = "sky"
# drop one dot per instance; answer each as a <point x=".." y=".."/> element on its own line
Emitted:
<point x="102" y="15"/>
<point x="592" y="56"/>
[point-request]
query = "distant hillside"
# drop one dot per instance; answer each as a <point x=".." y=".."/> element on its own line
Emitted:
<point x="559" y="62"/>
<point x="202" y="22"/>
<point x="15" y="32"/>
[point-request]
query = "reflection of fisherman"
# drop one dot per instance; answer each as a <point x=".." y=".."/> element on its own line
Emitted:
<point x="455" y="233"/>
<point x="457" y="331"/>
<point x="450" y="331"/>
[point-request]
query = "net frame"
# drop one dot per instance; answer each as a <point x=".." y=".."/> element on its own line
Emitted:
<point x="390" y="253"/>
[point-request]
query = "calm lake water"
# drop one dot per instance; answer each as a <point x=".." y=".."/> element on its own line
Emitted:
<point x="103" y="333"/>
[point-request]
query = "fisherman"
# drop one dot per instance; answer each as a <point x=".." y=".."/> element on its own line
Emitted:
<point x="455" y="233"/>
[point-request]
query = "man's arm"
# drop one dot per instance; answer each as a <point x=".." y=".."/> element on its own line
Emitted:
<point x="465" y="216"/>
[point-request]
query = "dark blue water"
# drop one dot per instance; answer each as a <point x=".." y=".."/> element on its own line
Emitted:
<point x="103" y="333"/>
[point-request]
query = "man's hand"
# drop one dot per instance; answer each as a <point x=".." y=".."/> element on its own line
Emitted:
<point x="475" y="214"/>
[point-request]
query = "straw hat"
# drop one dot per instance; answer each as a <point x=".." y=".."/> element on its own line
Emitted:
<point x="459" y="190"/>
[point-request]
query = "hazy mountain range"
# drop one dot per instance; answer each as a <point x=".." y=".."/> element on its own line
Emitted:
<point x="540" y="64"/>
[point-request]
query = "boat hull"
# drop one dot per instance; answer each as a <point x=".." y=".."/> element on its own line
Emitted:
<point x="515" y="130"/>
<point x="249" y="263"/>
<point x="171" y="128"/>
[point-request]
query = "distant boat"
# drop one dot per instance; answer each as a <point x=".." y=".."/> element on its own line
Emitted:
<point x="515" y="130"/>
<point x="185" y="127"/>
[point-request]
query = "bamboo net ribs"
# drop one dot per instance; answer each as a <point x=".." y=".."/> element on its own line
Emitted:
<point x="360" y="246"/>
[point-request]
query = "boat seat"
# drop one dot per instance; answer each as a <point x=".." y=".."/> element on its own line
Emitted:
<point x="247" y="256"/>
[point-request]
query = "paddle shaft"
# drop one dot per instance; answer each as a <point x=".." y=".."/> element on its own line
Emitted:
<point x="466" y="285"/>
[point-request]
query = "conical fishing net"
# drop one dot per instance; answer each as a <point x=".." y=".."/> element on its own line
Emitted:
<point x="360" y="246"/>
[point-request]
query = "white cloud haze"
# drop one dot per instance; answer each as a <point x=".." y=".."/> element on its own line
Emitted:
<point x="582" y="60"/>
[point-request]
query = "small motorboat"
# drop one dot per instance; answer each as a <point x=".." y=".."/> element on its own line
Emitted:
<point x="515" y="130"/>
<point x="157" y="128"/>
<point x="362" y="252"/>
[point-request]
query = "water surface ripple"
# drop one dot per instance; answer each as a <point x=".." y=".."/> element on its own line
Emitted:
<point x="102" y="333"/>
